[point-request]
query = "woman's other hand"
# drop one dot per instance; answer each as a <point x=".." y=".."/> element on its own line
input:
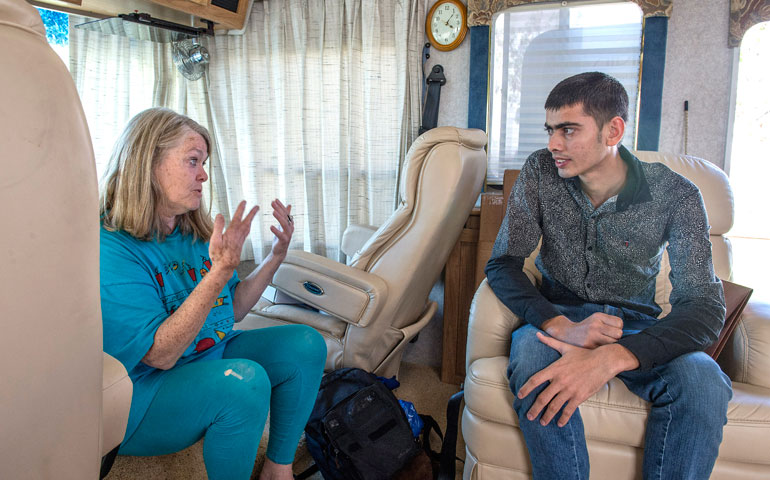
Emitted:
<point x="225" y="245"/>
<point x="283" y="234"/>
<point x="249" y="290"/>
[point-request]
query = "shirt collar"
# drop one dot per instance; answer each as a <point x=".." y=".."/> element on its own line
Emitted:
<point x="636" y="189"/>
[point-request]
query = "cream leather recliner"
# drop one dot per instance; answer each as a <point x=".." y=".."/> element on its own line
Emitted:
<point x="63" y="403"/>
<point x="614" y="418"/>
<point x="369" y="309"/>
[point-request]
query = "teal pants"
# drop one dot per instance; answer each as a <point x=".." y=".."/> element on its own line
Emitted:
<point x="226" y="401"/>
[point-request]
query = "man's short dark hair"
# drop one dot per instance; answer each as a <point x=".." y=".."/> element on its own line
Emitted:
<point x="601" y="95"/>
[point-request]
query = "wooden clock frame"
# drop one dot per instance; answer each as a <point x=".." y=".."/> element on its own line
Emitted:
<point x="463" y="27"/>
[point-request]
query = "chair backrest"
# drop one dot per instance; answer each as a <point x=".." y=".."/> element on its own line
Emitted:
<point x="718" y="199"/>
<point x="51" y="359"/>
<point x="443" y="176"/>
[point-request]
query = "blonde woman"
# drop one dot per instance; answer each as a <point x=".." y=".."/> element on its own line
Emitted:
<point x="170" y="296"/>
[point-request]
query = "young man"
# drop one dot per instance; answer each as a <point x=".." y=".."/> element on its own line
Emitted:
<point x="604" y="218"/>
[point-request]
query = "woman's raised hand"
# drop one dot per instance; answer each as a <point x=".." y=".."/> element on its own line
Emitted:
<point x="225" y="245"/>
<point x="283" y="234"/>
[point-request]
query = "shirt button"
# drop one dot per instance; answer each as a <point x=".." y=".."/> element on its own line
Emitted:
<point x="588" y="285"/>
<point x="590" y="248"/>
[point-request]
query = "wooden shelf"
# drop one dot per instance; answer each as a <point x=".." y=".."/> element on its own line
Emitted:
<point x="177" y="11"/>
<point x="206" y="9"/>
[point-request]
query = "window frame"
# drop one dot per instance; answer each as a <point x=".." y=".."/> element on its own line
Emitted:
<point x="550" y="6"/>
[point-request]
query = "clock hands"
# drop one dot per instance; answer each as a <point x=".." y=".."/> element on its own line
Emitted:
<point x="448" y="19"/>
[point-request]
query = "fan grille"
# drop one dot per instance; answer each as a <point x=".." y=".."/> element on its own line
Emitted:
<point x="191" y="58"/>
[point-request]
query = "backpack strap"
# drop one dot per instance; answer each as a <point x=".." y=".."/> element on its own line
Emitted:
<point x="430" y="424"/>
<point x="309" y="471"/>
<point x="449" y="445"/>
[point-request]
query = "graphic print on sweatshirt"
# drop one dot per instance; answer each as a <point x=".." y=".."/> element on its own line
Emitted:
<point x="176" y="280"/>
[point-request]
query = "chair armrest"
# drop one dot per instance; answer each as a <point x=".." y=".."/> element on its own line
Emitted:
<point x="117" y="390"/>
<point x="350" y="294"/>
<point x="746" y="357"/>
<point x="489" y="326"/>
<point x="354" y="237"/>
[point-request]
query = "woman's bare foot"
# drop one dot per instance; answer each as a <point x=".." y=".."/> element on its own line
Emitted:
<point x="275" y="471"/>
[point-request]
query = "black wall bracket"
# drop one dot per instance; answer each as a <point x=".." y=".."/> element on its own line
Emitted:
<point x="430" y="112"/>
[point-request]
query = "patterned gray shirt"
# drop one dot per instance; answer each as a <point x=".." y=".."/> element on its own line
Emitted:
<point x="611" y="255"/>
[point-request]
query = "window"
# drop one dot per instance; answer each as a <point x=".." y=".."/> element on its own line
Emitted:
<point x="749" y="169"/>
<point x="57" y="32"/>
<point x="533" y="48"/>
<point x="327" y="146"/>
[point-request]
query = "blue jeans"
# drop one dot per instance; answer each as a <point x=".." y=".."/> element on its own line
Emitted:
<point x="688" y="397"/>
<point x="226" y="401"/>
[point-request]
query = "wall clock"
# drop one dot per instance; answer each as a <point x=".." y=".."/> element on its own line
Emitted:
<point x="446" y="24"/>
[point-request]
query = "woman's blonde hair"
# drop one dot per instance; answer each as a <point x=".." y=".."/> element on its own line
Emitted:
<point x="130" y="193"/>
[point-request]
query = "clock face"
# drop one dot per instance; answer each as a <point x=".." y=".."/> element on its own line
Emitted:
<point x="446" y="23"/>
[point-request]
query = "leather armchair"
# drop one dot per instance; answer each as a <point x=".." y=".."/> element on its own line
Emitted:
<point x="369" y="309"/>
<point x="63" y="402"/>
<point x="614" y="418"/>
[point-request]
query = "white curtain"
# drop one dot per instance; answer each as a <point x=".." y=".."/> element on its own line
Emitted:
<point x="316" y="104"/>
<point x="118" y="76"/>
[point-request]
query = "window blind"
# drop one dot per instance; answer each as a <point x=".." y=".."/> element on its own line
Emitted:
<point x="534" y="49"/>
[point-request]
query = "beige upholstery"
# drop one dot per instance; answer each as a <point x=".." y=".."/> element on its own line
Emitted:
<point x="614" y="418"/>
<point x="373" y="306"/>
<point x="54" y="373"/>
<point x="116" y="402"/>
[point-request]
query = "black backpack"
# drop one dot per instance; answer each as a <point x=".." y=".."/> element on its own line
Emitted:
<point x="358" y="430"/>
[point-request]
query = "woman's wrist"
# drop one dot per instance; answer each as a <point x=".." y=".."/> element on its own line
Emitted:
<point x="274" y="260"/>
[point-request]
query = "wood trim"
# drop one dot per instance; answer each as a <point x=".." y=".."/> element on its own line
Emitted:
<point x="492" y="212"/>
<point x="177" y="11"/>
<point x="204" y="10"/>
<point x="113" y="8"/>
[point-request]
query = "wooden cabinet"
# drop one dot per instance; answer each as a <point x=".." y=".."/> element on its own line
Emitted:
<point x="463" y="274"/>
<point x="226" y="14"/>
<point x="459" y="287"/>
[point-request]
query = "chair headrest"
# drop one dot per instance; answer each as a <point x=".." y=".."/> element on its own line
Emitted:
<point x="471" y="138"/>
<point x="712" y="182"/>
<point x="466" y="139"/>
<point x="21" y="15"/>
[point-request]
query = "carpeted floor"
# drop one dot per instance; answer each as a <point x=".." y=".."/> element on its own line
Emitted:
<point x="420" y="385"/>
